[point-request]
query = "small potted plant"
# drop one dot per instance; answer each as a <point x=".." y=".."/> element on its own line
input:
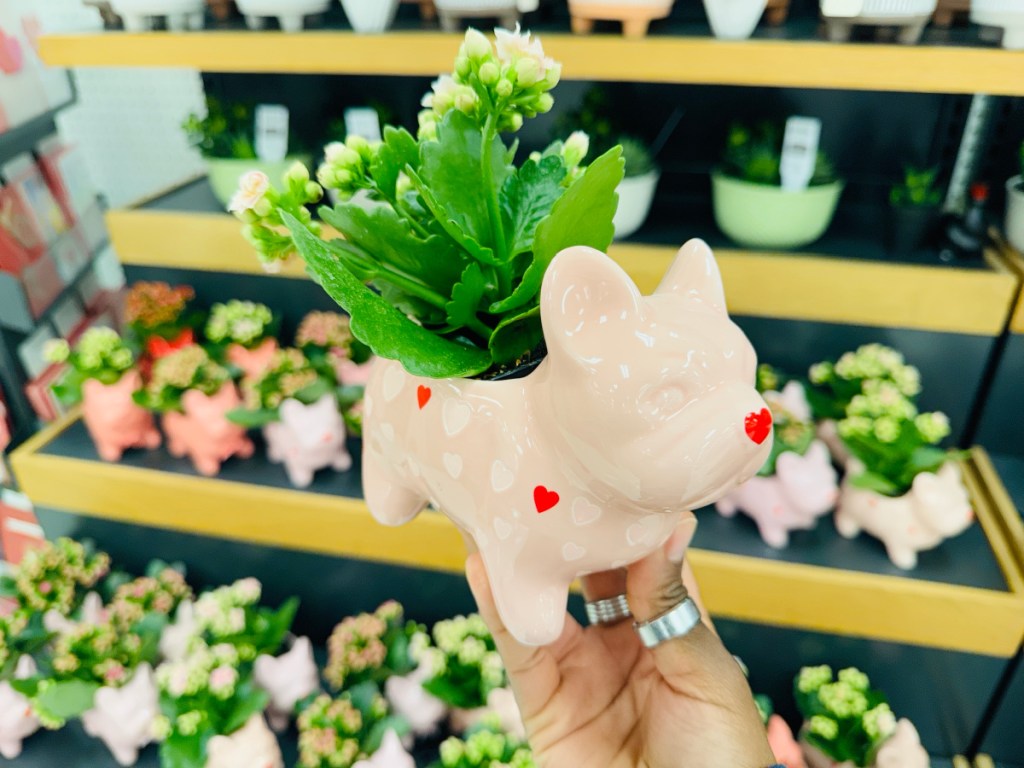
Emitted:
<point x="752" y="208"/>
<point x="179" y="15"/>
<point x="910" y="17"/>
<point x="224" y="137"/>
<point x="833" y="384"/>
<point x="158" y="318"/>
<point x="486" y="746"/>
<point x="327" y="337"/>
<point x="351" y="730"/>
<point x="290" y="14"/>
<point x="370" y="16"/>
<point x="451" y="13"/>
<point x="372" y="647"/>
<point x="1015" y="207"/>
<point x="913" y="209"/>
<point x="289" y="678"/>
<point x="734" y="19"/>
<point x="102" y="376"/>
<point x="1001" y="13"/>
<point x="900" y="486"/>
<point x="636" y="15"/>
<point x="797" y="485"/>
<point x="246" y="331"/>
<point x="195" y="394"/>
<point x="296" y="404"/>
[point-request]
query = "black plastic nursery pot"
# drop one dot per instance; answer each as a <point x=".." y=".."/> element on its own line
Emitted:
<point x="523" y="367"/>
<point x="909" y="227"/>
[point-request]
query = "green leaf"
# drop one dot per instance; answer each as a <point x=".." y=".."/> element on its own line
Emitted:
<point x="466" y="296"/>
<point x="380" y="728"/>
<point x="582" y="216"/>
<point x="453" y="695"/>
<point x="66" y="699"/>
<point x="243" y="417"/>
<point x="250" y="701"/>
<point x="450" y="226"/>
<point x="872" y="481"/>
<point x="398" y="151"/>
<point x="379" y="325"/>
<point x="527" y="198"/>
<point x="178" y="751"/>
<point x="280" y="622"/>
<point x="517" y="335"/>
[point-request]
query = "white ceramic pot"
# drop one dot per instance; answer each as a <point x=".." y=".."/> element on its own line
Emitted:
<point x="139" y="15"/>
<point x="252" y="745"/>
<point x="1008" y="14"/>
<point x="636" y="194"/>
<point x="122" y="718"/>
<point x="508" y="12"/>
<point x="1015" y="212"/>
<point x="370" y="16"/>
<point x="290" y="14"/>
<point x="17" y="720"/>
<point x="910" y="15"/>
<point x="734" y="19"/>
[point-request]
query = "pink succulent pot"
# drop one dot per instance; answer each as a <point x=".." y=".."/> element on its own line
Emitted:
<point x="255" y="361"/>
<point x="252" y="745"/>
<point x="353" y="374"/>
<point x="288" y="679"/>
<point x="828" y="433"/>
<point x="308" y="438"/>
<point x="500" y="702"/>
<point x="644" y="407"/>
<point x="122" y="718"/>
<point x="203" y="432"/>
<point x="114" y="421"/>
<point x="784" y="745"/>
<point x="17" y="721"/>
<point x="936" y="508"/>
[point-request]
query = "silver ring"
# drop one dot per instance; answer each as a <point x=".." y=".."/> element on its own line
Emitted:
<point x="675" y="622"/>
<point x="608" y="611"/>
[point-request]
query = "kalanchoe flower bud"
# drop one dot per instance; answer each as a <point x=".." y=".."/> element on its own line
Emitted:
<point x="476" y="45"/>
<point x="463" y="66"/>
<point x="489" y="73"/>
<point x="361" y="146"/>
<point x="575" y="148"/>
<point x="545" y="102"/>
<point x="332" y="152"/>
<point x="504" y="88"/>
<point x="527" y="72"/>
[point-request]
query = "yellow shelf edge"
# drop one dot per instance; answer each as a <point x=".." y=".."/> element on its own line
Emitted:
<point x="813" y="598"/>
<point x="773" y="285"/>
<point x="656" y="59"/>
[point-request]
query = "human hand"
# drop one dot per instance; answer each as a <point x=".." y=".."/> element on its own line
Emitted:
<point x="597" y="698"/>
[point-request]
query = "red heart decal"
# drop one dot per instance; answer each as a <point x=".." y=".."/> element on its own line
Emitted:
<point x="423" y="395"/>
<point x="159" y="347"/>
<point x="758" y="425"/>
<point x="544" y="499"/>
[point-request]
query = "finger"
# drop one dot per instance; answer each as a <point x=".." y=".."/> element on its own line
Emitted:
<point x="692" y="588"/>
<point x="533" y="671"/>
<point x="604" y="584"/>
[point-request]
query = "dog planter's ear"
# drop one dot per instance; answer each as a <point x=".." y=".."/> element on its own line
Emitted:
<point x="695" y="275"/>
<point x="585" y="294"/>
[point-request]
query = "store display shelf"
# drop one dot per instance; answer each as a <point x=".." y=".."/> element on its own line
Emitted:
<point x="185" y="229"/>
<point x="24" y="137"/>
<point x="661" y="59"/>
<point x="967" y="595"/>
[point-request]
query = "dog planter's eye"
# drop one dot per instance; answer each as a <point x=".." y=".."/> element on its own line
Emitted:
<point x="660" y="401"/>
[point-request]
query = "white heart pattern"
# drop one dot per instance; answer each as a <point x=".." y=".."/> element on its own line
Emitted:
<point x="585" y="512"/>
<point x="453" y="463"/>
<point x="455" y="414"/>
<point x="642" y="532"/>
<point x="572" y="551"/>
<point x="502" y="527"/>
<point x="501" y="476"/>
<point x="387" y="431"/>
<point x="394" y="381"/>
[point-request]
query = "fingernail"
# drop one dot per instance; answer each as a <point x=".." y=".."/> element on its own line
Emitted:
<point x="679" y="541"/>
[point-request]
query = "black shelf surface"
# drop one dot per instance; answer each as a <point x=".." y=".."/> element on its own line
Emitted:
<point x="966" y="560"/>
<point x="1011" y="472"/>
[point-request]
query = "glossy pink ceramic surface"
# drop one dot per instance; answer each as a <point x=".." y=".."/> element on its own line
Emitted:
<point x="903" y="749"/>
<point x="308" y="438"/>
<point x="423" y="711"/>
<point x="288" y="678"/>
<point x="936" y="508"/>
<point x="114" y="421"/>
<point x="253" y="361"/>
<point x="645" y="407"/>
<point x="252" y="746"/>
<point x="122" y="718"/>
<point x="203" y="432"/>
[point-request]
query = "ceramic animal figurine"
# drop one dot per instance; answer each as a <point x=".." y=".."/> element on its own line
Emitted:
<point x="643" y="408"/>
<point x="204" y="433"/>
<point x="17" y="721"/>
<point x="92" y="612"/>
<point x="175" y="638"/>
<point x="937" y="507"/>
<point x="114" y="421"/>
<point x="288" y="678"/>
<point x="909" y="17"/>
<point x="793" y="399"/>
<point x="500" y="702"/>
<point x="423" y="711"/>
<point x="352" y="374"/>
<point x="391" y="754"/>
<point x="508" y="12"/>
<point x="140" y="15"/>
<point x="636" y="15"/>
<point x="903" y="749"/>
<point x="252" y="746"/>
<point x="784" y="745"/>
<point x="290" y="14"/>
<point x="122" y="718"/>
<point x="255" y="361"/>
<point x="308" y="438"/>
<point x="802" y="489"/>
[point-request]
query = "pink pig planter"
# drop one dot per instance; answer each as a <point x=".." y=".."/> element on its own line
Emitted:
<point x="204" y="433"/>
<point x="252" y="362"/>
<point x="123" y="717"/>
<point x="802" y="489"/>
<point x="308" y="438"/>
<point x="643" y="408"/>
<point x="252" y="746"/>
<point x="114" y="421"/>
<point x="936" y="508"/>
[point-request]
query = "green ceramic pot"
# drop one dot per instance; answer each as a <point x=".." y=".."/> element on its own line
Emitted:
<point x="760" y="216"/>
<point x="224" y="173"/>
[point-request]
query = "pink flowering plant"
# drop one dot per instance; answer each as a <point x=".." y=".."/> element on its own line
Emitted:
<point x="338" y="732"/>
<point x="190" y="367"/>
<point x="158" y="594"/>
<point x="233" y="615"/>
<point x="464" y="664"/>
<point x="55" y="576"/>
<point x="246" y="323"/>
<point x="371" y="647"/>
<point x="443" y="271"/>
<point x="100" y="354"/>
<point x="291" y="374"/>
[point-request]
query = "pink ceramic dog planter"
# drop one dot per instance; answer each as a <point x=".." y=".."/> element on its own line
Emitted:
<point x="423" y="711"/>
<point x="17" y="721"/>
<point x="255" y="361"/>
<point x="252" y="745"/>
<point x="308" y="438"/>
<point x="500" y="702"/>
<point x="122" y="718"/>
<point x="288" y="678"/>
<point x="802" y="489"/>
<point x="114" y="421"/>
<point x="390" y="755"/>
<point x="903" y="749"/>
<point x="203" y="432"/>
<point x="643" y="408"/>
<point x="936" y="508"/>
<point x="784" y="745"/>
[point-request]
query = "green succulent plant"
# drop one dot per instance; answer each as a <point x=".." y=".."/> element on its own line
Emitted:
<point x="918" y="189"/>
<point x="754" y="154"/>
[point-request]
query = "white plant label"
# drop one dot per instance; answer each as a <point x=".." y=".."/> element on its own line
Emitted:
<point x="271" y="132"/>
<point x="799" y="152"/>
<point x="363" y="121"/>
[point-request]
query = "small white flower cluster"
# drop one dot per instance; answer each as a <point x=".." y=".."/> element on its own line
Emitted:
<point x="870" y="361"/>
<point x="222" y="612"/>
<point x="466" y="641"/>
<point x="204" y="668"/>
<point x="879" y="723"/>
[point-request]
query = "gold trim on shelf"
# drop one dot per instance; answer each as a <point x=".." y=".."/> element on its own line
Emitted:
<point x="888" y="608"/>
<point x="794" y="286"/>
<point x="998" y="498"/>
<point x="699" y="60"/>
